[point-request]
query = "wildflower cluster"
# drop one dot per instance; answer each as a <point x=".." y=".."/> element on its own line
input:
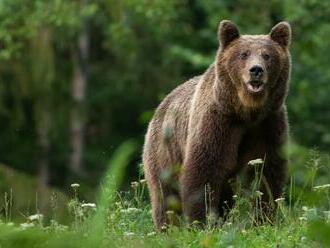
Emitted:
<point x="80" y="210"/>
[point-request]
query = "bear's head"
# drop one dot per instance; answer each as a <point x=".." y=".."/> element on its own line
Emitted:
<point x="257" y="65"/>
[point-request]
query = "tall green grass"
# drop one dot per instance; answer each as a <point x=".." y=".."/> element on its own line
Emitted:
<point x="124" y="220"/>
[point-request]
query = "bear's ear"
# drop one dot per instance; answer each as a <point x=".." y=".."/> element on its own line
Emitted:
<point x="281" y="33"/>
<point x="227" y="32"/>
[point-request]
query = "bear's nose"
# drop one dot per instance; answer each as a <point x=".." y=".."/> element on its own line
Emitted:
<point x="256" y="71"/>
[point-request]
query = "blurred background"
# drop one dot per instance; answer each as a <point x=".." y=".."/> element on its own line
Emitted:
<point x="79" y="77"/>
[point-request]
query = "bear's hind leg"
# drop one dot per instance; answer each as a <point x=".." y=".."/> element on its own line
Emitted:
<point x="166" y="205"/>
<point x="157" y="205"/>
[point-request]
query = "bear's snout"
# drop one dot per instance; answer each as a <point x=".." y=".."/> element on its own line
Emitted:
<point x="256" y="72"/>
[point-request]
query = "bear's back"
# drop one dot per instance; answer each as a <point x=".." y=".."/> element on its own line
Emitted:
<point x="168" y="128"/>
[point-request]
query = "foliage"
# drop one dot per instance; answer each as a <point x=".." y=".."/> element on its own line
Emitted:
<point x="139" y="51"/>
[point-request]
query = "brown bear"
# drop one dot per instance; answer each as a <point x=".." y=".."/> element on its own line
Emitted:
<point x="212" y="125"/>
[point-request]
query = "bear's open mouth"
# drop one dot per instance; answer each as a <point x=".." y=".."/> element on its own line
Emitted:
<point x="255" y="86"/>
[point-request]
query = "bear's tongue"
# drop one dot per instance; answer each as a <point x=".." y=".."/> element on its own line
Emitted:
<point x="255" y="86"/>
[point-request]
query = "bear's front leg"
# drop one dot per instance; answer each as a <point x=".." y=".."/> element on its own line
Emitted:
<point x="211" y="154"/>
<point x="199" y="188"/>
<point x="275" y="167"/>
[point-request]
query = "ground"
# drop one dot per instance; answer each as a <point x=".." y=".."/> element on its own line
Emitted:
<point x="123" y="219"/>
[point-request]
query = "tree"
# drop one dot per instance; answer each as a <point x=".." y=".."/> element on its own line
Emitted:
<point x="80" y="57"/>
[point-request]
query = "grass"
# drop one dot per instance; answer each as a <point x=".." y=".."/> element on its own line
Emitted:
<point x="124" y="219"/>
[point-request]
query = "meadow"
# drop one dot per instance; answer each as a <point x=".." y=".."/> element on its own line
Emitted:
<point x="123" y="218"/>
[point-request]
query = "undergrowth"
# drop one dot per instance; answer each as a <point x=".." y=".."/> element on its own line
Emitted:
<point x="123" y="219"/>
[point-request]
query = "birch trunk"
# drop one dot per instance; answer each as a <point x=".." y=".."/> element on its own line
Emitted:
<point x="79" y="83"/>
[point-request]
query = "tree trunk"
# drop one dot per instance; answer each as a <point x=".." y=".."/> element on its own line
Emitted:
<point x="80" y="56"/>
<point x="43" y="77"/>
<point x="43" y="161"/>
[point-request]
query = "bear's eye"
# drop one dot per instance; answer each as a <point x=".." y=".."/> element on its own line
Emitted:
<point x="244" y="55"/>
<point x="266" y="56"/>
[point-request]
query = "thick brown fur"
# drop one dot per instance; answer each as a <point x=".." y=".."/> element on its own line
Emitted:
<point x="207" y="129"/>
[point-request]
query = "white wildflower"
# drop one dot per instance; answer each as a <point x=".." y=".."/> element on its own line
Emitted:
<point x="26" y="225"/>
<point x="35" y="217"/>
<point x="89" y="205"/>
<point x="131" y="210"/>
<point x="134" y="185"/>
<point x="259" y="193"/>
<point x="75" y="185"/>
<point x="169" y="212"/>
<point x="56" y="226"/>
<point x="163" y="228"/>
<point x="281" y="199"/>
<point x="151" y="234"/>
<point x="228" y="223"/>
<point x="321" y="187"/>
<point x="304" y="208"/>
<point x="256" y="162"/>
<point x="129" y="234"/>
<point x="235" y="196"/>
<point x="143" y="181"/>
